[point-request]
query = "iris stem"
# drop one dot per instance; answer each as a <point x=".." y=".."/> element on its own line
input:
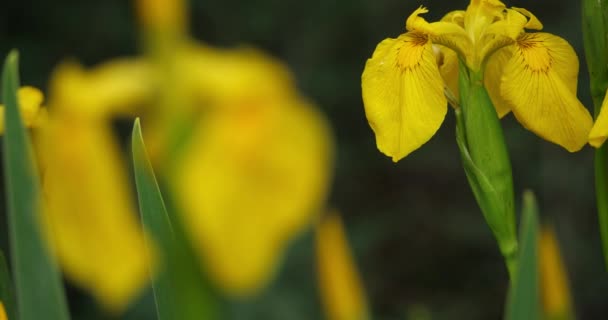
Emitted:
<point x="595" y="36"/>
<point x="486" y="162"/>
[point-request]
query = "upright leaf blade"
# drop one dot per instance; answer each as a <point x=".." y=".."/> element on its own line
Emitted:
<point x="38" y="286"/>
<point x="524" y="300"/>
<point x="180" y="290"/>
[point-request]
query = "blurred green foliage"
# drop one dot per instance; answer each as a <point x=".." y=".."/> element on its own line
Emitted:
<point x="419" y="238"/>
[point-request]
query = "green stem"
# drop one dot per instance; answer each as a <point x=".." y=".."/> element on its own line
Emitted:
<point x="595" y="36"/>
<point x="486" y="162"/>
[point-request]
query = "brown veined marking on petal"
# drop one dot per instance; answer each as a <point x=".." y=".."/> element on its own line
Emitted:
<point x="536" y="55"/>
<point x="409" y="56"/>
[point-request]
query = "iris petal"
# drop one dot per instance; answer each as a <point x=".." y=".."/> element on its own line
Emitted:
<point x="599" y="132"/>
<point x="492" y="75"/>
<point x="403" y="94"/>
<point x="89" y="213"/>
<point x="538" y="84"/>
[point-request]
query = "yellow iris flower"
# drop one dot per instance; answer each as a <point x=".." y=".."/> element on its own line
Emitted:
<point x="89" y="215"/>
<point x="255" y="171"/>
<point x="534" y="75"/>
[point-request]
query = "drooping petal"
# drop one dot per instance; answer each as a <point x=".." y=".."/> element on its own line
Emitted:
<point x="251" y="178"/>
<point x="492" y="79"/>
<point x="599" y="132"/>
<point x="341" y="289"/>
<point x="89" y="215"/>
<point x="403" y="94"/>
<point x="537" y="83"/>
<point x="30" y="102"/>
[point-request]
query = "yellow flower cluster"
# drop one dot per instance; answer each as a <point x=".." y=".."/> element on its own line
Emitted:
<point x="534" y="75"/>
<point x="252" y="171"/>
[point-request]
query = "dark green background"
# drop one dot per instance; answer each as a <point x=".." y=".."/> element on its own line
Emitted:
<point x="419" y="238"/>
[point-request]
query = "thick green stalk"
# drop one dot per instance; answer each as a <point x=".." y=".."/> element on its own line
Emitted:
<point x="486" y="162"/>
<point x="595" y="27"/>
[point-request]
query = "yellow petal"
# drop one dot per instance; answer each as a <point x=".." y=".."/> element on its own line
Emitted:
<point x="114" y="88"/>
<point x="501" y="33"/>
<point x="448" y="32"/>
<point x="341" y="289"/>
<point x="480" y="14"/>
<point x="30" y="101"/>
<point x="162" y="15"/>
<point x="89" y="215"/>
<point x="403" y="94"/>
<point x="492" y="79"/>
<point x="2" y="312"/>
<point x="538" y="85"/>
<point x="216" y="74"/>
<point x="447" y="61"/>
<point x="533" y="22"/>
<point x="252" y="177"/>
<point x="555" y="293"/>
<point x="599" y="132"/>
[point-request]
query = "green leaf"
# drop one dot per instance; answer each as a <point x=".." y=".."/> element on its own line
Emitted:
<point x="38" y="285"/>
<point x="180" y="291"/>
<point x="524" y="300"/>
<point x="6" y="288"/>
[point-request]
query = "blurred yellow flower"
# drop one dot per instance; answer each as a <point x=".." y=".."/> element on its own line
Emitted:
<point x="2" y="312"/>
<point x="555" y="293"/>
<point x="341" y="290"/>
<point x="532" y="74"/>
<point x="254" y="172"/>
<point x="30" y="104"/>
<point x="89" y="212"/>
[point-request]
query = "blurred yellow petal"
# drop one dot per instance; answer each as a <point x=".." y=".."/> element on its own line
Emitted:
<point x="160" y="15"/>
<point x="30" y="102"/>
<point x="341" y="289"/>
<point x="91" y="222"/>
<point x="253" y="175"/>
<point x="537" y="83"/>
<point x="492" y="79"/>
<point x="114" y="88"/>
<point x="216" y="74"/>
<point x="403" y="94"/>
<point x="555" y="292"/>
<point x="599" y="132"/>
<point x="2" y="312"/>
